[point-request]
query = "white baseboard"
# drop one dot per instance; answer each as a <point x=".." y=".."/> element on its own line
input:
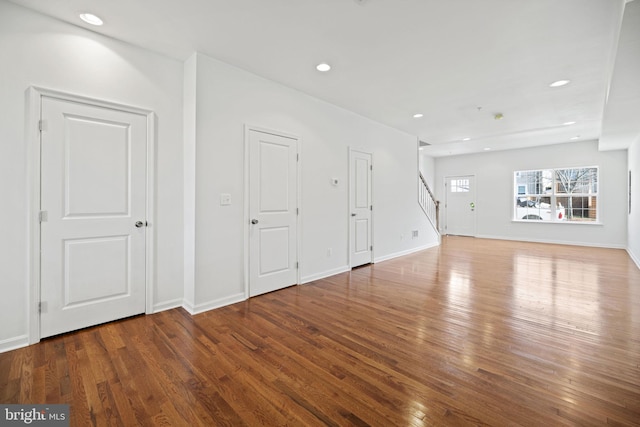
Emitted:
<point x="634" y="258"/>
<point x="554" y="242"/>
<point x="201" y="308"/>
<point x="324" y="274"/>
<point x="407" y="252"/>
<point x="14" y="343"/>
<point x="168" y="305"/>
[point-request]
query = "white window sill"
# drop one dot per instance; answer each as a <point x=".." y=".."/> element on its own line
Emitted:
<point x="538" y="221"/>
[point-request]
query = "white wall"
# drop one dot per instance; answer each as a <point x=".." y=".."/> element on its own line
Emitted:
<point x="36" y="50"/>
<point x="428" y="169"/>
<point x="227" y="100"/>
<point x="495" y="194"/>
<point x="634" y="216"/>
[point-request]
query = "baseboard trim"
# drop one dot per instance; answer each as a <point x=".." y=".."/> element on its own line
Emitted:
<point x="14" y="343"/>
<point x="324" y="274"/>
<point x="634" y="258"/>
<point x="407" y="252"/>
<point x="211" y="305"/>
<point x="168" y="305"/>
<point x="554" y="242"/>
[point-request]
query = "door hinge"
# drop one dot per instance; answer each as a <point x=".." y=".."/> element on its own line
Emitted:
<point x="370" y="167"/>
<point x="297" y="211"/>
<point x="43" y="216"/>
<point x="42" y="307"/>
<point x="371" y="207"/>
<point x="371" y="247"/>
<point x="297" y="157"/>
<point x="297" y="265"/>
<point x="40" y="125"/>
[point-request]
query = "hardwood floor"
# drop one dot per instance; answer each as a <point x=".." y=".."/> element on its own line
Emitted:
<point x="475" y="332"/>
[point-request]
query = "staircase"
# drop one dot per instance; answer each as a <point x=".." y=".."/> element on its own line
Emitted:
<point x="428" y="203"/>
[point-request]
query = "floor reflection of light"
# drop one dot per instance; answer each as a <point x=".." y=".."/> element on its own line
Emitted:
<point x="418" y="413"/>
<point x="557" y="291"/>
<point x="459" y="284"/>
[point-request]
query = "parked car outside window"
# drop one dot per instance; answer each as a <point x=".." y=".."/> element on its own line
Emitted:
<point x="538" y="208"/>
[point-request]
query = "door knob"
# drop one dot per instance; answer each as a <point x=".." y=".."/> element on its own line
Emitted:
<point x="140" y="224"/>
<point x="353" y="214"/>
<point x="254" y="221"/>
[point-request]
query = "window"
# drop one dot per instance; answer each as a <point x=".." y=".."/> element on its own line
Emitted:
<point x="459" y="186"/>
<point x="569" y="194"/>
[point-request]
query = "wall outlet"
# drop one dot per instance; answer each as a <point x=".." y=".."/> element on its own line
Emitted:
<point x="414" y="234"/>
<point x="225" y="199"/>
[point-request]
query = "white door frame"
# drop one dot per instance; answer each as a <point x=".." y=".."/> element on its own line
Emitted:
<point x="351" y="150"/>
<point x="246" y="219"/>
<point x="34" y="97"/>
<point x="446" y="195"/>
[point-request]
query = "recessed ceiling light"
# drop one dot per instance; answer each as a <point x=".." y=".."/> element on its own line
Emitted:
<point x="575" y="137"/>
<point x="559" y="83"/>
<point x="418" y="115"/>
<point x="487" y="148"/>
<point x="323" y="67"/>
<point x="568" y="123"/>
<point x="90" y="18"/>
<point x="466" y="139"/>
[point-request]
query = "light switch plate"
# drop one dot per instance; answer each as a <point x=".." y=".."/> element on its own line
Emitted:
<point x="225" y="199"/>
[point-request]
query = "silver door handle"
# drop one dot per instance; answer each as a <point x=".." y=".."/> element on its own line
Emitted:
<point x="140" y="224"/>
<point x="254" y="221"/>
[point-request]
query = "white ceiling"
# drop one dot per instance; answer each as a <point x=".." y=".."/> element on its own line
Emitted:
<point x="458" y="62"/>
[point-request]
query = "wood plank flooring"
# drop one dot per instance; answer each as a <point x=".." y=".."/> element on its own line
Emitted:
<point x="474" y="332"/>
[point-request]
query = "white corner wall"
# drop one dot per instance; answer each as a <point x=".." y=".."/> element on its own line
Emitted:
<point x="40" y="51"/>
<point x="634" y="216"/>
<point x="229" y="98"/>
<point x="495" y="193"/>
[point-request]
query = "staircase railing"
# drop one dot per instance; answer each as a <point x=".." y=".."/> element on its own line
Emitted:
<point x="428" y="202"/>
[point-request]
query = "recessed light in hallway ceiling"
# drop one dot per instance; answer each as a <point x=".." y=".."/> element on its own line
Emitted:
<point x="559" y="83"/>
<point x="323" y="67"/>
<point x="90" y="18"/>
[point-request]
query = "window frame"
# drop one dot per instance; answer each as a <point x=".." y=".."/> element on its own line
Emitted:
<point x="554" y="195"/>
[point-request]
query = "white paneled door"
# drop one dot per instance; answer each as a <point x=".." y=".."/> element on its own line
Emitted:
<point x="360" y="238"/>
<point x="461" y="205"/>
<point x="273" y="210"/>
<point x="93" y="208"/>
